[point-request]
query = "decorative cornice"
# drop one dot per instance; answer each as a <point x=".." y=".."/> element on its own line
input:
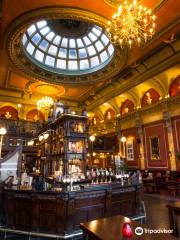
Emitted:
<point x="134" y="78"/>
<point x="30" y="70"/>
<point x="152" y="108"/>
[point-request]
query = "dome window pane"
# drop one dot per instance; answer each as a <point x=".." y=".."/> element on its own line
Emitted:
<point x="92" y="37"/>
<point x="44" y="31"/>
<point x="50" y="36"/>
<point x="53" y="50"/>
<point x="39" y="56"/>
<point x="72" y="53"/>
<point x="24" y="39"/>
<point x="50" y="61"/>
<point x="84" y="64"/>
<point x="96" y="31"/>
<point x="99" y="46"/>
<point x="87" y="41"/>
<point x="80" y="43"/>
<point x="91" y="50"/>
<point x="111" y="49"/>
<point x="57" y="40"/>
<point x="104" y="56"/>
<point x="61" y="64"/>
<point x="44" y="45"/>
<point x="105" y="39"/>
<point x="72" y="65"/>
<point x="72" y="43"/>
<point x="30" y="48"/>
<point x="94" y="61"/>
<point x="36" y="38"/>
<point x="41" y="24"/>
<point x="31" y="30"/>
<point x="64" y="42"/>
<point x="60" y="47"/>
<point x="82" y="53"/>
<point x="62" y="52"/>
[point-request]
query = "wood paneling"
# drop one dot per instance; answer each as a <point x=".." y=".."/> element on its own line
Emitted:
<point x="62" y="213"/>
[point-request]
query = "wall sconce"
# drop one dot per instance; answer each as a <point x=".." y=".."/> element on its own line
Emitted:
<point x="3" y="131"/>
<point x="109" y="115"/>
<point x="46" y="135"/>
<point x="30" y="143"/>
<point x="19" y="105"/>
<point x="123" y="139"/>
<point x="92" y="138"/>
<point x="41" y="138"/>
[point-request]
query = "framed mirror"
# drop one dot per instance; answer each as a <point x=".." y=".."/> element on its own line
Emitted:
<point x="154" y="148"/>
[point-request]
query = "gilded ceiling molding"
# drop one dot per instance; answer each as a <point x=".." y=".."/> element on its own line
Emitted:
<point x="157" y="84"/>
<point x="166" y="103"/>
<point x="115" y="3"/>
<point x="135" y="79"/>
<point x="30" y="70"/>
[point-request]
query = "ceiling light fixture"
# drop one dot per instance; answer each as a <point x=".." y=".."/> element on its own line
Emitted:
<point x="132" y="23"/>
<point x="45" y="102"/>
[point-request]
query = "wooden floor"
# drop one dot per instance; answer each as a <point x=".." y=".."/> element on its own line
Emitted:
<point x="157" y="215"/>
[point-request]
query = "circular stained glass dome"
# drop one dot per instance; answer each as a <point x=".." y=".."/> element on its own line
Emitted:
<point x="67" y="46"/>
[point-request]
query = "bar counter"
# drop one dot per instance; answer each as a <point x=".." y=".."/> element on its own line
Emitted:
<point x="62" y="212"/>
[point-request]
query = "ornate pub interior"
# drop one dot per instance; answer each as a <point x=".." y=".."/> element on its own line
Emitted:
<point x="89" y="119"/>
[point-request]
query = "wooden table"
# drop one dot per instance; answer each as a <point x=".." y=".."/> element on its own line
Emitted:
<point x="111" y="229"/>
<point x="174" y="212"/>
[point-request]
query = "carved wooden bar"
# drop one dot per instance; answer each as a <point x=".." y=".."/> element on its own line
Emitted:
<point x="62" y="212"/>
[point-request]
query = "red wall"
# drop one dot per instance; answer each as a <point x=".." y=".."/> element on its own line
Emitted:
<point x="151" y="130"/>
<point x="126" y="104"/>
<point x="175" y="87"/>
<point x="176" y="136"/>
<point x="154" y="97"/>
<point x="34" y="112"/>
<point x="12" y="111"/>
<point x="112" y="112"/>
<point x="132" y="133"/>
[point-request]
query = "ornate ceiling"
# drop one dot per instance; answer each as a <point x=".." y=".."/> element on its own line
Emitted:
<point x="20" y="81"/>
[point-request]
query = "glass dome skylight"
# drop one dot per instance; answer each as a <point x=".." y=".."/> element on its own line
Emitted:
<point x="67" y="47"/>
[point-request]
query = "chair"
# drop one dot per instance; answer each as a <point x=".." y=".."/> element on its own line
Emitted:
<point x="142" y="215"/>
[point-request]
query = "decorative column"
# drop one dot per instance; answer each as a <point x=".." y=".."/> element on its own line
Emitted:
<point x="119" y="135"/>
<point x="139" y="127"/>
<point x="168" y="124"/>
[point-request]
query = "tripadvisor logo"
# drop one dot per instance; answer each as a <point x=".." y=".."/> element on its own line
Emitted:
<point x="139" y="231"/>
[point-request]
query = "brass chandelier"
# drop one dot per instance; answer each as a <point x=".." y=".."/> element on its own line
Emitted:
<point x="131" y="24"/>
<point x="45" y="102"/>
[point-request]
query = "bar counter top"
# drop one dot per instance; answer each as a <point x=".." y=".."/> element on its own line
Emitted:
<point x="61" y="212"/>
